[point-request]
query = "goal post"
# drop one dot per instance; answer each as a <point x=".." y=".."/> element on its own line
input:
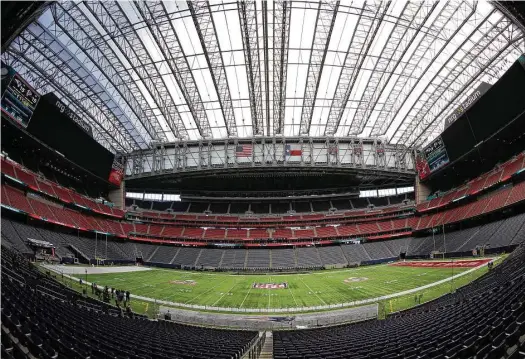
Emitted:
<point x="437" y="254"/>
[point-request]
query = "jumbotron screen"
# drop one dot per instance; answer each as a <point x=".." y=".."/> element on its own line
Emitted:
<point x="19" y="99"/>
<point x="482" y="120"/>
<point x="61" y="129"/>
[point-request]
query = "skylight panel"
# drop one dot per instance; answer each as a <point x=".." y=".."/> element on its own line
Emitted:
<point x="360" y="84"/>
<point x="316" y="115"/>
<point x="344" y="27"/>
<point x="302" y="27"/>
<point x="246" y="121"/>
<point x="346" y="120"/>
<point x="187" y="119"/>
<point x="174" y="6"/>
<point x="241" y="83"/>
<point x="328" y="81"/>
<point x="297" y="75"/>
<point x="376" y="49"/>
<point x="173" y="89"/>
<point x="150" y="45"/>
<point x="193" y="134"/>
<point x="216" y="120"/>
<point x="296" y="27"/>
<point x="188" y="36"/>
<point x="204" y="83"/>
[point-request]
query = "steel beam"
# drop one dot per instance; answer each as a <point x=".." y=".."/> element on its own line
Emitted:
<point x="72" y="21"/>
<point x="267" y="70"/>
<point x="495" y="36"/>
<point x="475" y="63"/>
<point x="361" y="41"/>
<point x="205" y="26"/>
<point x="104" y="62"/>
<point x="250" y="38"/>
<point x="281" y="36"/>
<point x="324" y="24"/>
<point x="490" y="74"/>
<point x="112" y="17"/>
<point x="204" y="156"/>
<point x="167" y="40"/>
<point x="41" y="77"/>
<point x="46" y="47"/>
<point x="448" y="22"/>
<point x="414" y="14"/>
<point x="55" y="63"/>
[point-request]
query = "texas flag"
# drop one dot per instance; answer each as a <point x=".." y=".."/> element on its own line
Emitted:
<point x="293" y="150"/>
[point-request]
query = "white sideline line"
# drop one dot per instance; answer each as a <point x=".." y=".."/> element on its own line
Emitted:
<point x="297" y="309"/>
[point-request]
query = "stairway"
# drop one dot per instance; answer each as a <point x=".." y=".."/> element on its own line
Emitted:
<point x="78" y="252"/>
<point x="267" y="349"/>
<point x="152" y="254"/>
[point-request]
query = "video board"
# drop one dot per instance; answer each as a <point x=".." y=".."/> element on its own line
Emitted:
<point x="436" y="154"/>
<point x="63" y="130"/>
<point x="19" y="99"/>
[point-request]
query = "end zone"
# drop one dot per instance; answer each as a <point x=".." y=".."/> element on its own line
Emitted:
<point x="445" y="264"/>
<point x="74" y="270"/>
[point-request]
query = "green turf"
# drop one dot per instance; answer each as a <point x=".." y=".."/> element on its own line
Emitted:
<point x="304" y="290"/>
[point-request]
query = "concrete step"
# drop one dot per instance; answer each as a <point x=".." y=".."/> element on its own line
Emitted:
<point x="267" y="349"/>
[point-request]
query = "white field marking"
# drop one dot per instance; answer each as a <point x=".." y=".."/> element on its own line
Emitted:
<point x="269" y="296"/>
<point x="313" y="291"/>
<point x="206" y="291"/>
<point x="222" y="296"/>
<point x="246" y="296"/>
<point x="317" y="308"/>
<point x="291" y="291"/>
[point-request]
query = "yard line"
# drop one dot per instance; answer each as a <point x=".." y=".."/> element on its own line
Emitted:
<point x="246" y="296"/>
<point x="234" y="284"/>
<point x="269" y="294"/>
<point x="291" y="291"/>
<point x="312" y="291"/>
<point x="198" y="295"/>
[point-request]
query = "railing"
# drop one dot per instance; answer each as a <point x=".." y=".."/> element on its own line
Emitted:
<point x="255" y="347"/>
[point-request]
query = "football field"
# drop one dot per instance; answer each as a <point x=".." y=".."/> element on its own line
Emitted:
<point x="271" y="291"/>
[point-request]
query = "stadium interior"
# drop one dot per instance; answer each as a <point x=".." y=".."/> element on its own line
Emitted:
<point x="286" y="179"/>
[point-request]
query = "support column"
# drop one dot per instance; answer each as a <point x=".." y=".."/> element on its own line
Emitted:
<point x="117" y="196"/>
<point x="422" y="191"/>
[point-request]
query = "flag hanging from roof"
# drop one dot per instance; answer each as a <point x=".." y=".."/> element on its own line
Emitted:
<point x="243" y="150"/>
<point x="293" y="150"/>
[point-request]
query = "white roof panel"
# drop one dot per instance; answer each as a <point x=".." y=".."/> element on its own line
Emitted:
<point x="404" y="109"/>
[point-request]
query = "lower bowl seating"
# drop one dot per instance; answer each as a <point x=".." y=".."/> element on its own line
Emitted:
<point x="55" y="322"/>
<point x="485" y="319"/>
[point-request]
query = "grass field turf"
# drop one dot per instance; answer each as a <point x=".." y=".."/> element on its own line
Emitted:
<point x="304" y="290"/>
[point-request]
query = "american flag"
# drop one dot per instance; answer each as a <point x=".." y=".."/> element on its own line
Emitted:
<point x="243" y="151"/>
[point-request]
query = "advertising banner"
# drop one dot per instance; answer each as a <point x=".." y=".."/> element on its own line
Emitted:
<point x="116" y="175"/>
<point x="469" y="101"/>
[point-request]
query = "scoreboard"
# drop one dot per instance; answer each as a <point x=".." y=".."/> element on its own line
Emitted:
<point x="436" y="154"/>
<point x="432" y="158"/>
<point x="19" y="99"/>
